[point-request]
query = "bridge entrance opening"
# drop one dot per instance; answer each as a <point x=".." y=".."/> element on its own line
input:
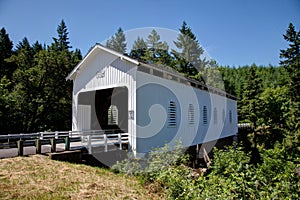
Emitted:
<point x="105" y="109"/>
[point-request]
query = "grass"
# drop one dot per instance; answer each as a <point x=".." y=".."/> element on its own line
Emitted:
<point x="38" y="177"/>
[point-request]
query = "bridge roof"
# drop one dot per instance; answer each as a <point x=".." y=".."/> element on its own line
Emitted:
<point x="164" y="71"/>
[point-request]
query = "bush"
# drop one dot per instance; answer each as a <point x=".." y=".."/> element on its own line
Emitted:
<point x="231" y="176"/>
<point x="154" y="162"/>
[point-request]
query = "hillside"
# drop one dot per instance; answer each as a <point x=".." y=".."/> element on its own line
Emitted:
<point x="38" y="177"/>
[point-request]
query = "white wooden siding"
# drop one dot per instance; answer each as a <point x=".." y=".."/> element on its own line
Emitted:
<point x="101" y="71"/>
<point x="84" y="117"/>
<point x="186" y="95"/>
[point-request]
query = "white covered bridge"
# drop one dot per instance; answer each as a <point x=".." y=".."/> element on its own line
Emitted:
<point x="153" y="105"/>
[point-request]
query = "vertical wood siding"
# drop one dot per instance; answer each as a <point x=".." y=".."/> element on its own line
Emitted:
<point x="101" y="71"/>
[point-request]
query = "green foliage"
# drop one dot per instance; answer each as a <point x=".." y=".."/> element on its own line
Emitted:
<point x="62" y="42"/>
<point x="34" y="96"/>
<point x="291" y="62"/>
<point x="292" y="143"/>
<point x="231" y="175"/>
<point x="229" y="161"/>
<point x="37" y="97"/>
<point x="275" y="106"/>
<point x="250" y="103"/>
<point x="274" y="178"/>
<point x="129" y="166"/>
<point x="211" y="76"/>
<point x="156" y="161"/>
<point x="157" y="51"/>
<point x="117" y="42"/>
<point x="139" y="49"/>
<point x="275" y="113"/>
<point x="6" y="46"/>
<point x="188" y="57"/>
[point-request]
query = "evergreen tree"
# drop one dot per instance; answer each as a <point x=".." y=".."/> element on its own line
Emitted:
<point x="139" y="49"/>
<point x="6" y="46"/>
<point x="291" y="61"/>
<point x="40" y="98"/>
<point x="24" y="44"/>
<point x="62" y="42"/>
<point x="188" y="58"/>
<point x="36" y="47"/>
<point x="6" y="71"/>
<point x="157" y="51"/>
<point x="118" y="42"/>
<point x="250" y="105"/>
<point x="23" y="58"/>
<point x="77" y="55"/>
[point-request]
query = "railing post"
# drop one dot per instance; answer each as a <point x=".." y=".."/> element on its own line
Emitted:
<point x="105" y="143"/>
<point x="120" y="140"/>
<point x="56" y="135"/>
<point x="42" y="135"/>
<point x="67" y="143"/>
<point x="89" y="144"/>
<point x="38" y="146"/>
<point x="20" y="144"/>
<point x="53" y="144"/>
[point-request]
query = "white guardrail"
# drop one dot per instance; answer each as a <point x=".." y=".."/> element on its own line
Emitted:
<point x="89" y="139"/>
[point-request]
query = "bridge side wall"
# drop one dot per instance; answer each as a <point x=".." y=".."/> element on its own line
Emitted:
<point x="191" y="127"/>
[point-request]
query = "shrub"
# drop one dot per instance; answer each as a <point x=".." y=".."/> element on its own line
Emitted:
<point x="231" y="176"/>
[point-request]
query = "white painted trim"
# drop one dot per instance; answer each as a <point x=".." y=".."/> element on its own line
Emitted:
<point x="98" y="46"/>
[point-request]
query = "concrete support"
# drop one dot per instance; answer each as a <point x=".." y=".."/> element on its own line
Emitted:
<point x="67" y="143"/>
<point x="20" y="144"/>
<point x="38" y="146"/>
<point x="53" y="144"/>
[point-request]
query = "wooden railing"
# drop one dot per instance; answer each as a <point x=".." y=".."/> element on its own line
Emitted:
<point x="89" y="139"/>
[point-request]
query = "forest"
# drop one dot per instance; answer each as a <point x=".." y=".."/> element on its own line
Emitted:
<point x="34" y="96"/>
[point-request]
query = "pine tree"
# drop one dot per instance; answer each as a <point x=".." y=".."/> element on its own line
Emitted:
<point x="157" y="51"/>
<point x="250" y="103"/>
<point x="40" y="98"/>
<point x="6" y="46"/>
<point x="139" y="49"/>
<point x="188" y="58"/>
<point x="77" y="55"/>
<point x="36" y="47"/>
<point x="24" y="44"/>
<point x="62" y="42"/>
<point x="118" y="42"/>
<point x="23" y="57"/>
<point x="291" y="61"/>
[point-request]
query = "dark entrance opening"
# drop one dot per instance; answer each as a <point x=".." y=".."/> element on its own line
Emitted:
<point x="108" y="109"/>
<point x="111" y="107"/>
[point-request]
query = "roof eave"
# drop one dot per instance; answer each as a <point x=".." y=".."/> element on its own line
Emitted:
<point x="72" y="75"/>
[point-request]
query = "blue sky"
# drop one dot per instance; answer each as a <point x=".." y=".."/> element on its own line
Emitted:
<point x="233" y="32"/>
